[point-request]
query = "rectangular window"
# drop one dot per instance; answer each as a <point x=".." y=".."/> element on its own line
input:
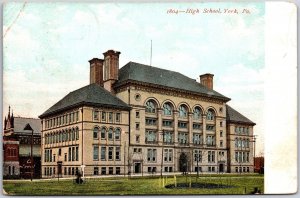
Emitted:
<point x="150" y="136"/>
<point x="110" y="170"/>
<point x="182" y="125"/>
<point x="118" y="157"/>
<point x="182" y="138"/>
<point x="137" y="114"/>
<point x="103" y="153"/>
<point x="118" y="117"/>
<point x="168" y="137"/>
<point x="96" y="153"/>
<point x="69" y="154"/>
<point x="150" y="121"/>
<point x="197" y="126"/>
<point x="96" y="114"/>
<point x="110" y="153"/>
<point x="103" y="171"/>
<point x="77" y="116"/>
<point x="168" y="155"/>
<point x="211" y="156"/>
<point x="137" y="138"/>
<point x="137" y="126"/>
<point x="96" y="170"/>
<point x="118" y="170"/>
<point x="73" y="153"/>
<point x="71" y="117"/>
<point x="210" y="127"/>
<point x="210" y="140"/>
<point x="236" y="157"/>
<point x="50" y="155"/>
<point x="76" y="153"/>
<point x="110" y="117"/>
<point x="197" y="155"/>
<point x="167" y="123"/>
<point x="151" y="155"/>
<point x="103" y="116"/>
<point x="197" y="139"/>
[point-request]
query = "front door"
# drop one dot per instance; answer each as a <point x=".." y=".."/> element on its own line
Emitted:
<point x="137" y="167"/>
<point x="221" y="168"/>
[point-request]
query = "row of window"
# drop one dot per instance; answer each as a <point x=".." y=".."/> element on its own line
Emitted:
<point x="106" y="116"/>
<point x="242" y="156"/>
<point x="62" y="136"/>
<point x="242" y="143"/>
<point x="242" y="130"/>
<point x="151" y="107"/>
<point x="169" y="123"/>
<point x="106" y="153"/>
<point x="11" y="152"/>
<point x="168" y="155"/>
<point x="242" y="169"/>
<point x="104" y="133"/>
<point x="73" y="154"/>
<point x="111" y="170"/>
<point x="51" y="171"/>
<point x="168" y="137"/>
<point x="62" y="120"/>
<point x="11" y="170"/>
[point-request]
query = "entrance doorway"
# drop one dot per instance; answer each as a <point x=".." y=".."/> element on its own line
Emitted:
<point x="137" y="167"/>
<point x="183" y="163"/>
<point x="221" y="168"/>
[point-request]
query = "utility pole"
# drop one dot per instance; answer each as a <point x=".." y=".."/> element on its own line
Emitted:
<point x="162" y="153"/>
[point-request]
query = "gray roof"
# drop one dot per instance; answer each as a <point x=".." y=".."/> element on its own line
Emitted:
<point x="20" y="123"/>
<point x="144" y="73"/>
<point x="92" y="94"/>
<point x="233" y="116"/>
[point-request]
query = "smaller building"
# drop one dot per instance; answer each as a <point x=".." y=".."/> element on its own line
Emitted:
<point x="259" y="165"/>
<point x="240" y="141"/>
<point x="17" y="147"/>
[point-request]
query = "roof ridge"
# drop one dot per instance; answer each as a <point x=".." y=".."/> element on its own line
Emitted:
<point x="26" y="117"/>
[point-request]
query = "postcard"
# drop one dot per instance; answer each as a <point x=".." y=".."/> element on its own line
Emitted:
<point x="181" y="98"/>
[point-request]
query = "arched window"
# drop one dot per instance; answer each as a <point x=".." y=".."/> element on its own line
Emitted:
<point x="117" y="133"/>
<point x="95" y="133"/>
<point x="183" y="111"/>
<point x="110" y="134"/>
<point x="103" y="133"/>
<point x="150" y="106"/>
<point x="197" y="113"/>
<point x="210" y="115"/>
<point x="167" y="109"/>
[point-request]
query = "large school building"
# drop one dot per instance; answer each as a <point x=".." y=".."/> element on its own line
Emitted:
<point x="144" y="119"/>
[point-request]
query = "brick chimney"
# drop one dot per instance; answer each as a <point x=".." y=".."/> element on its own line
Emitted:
<point x="207" y="80"/>
<point x="111" y="69"/>
<point x="96" y="71"/>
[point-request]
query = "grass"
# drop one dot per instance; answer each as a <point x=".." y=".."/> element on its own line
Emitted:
<point x="243" y="184"/>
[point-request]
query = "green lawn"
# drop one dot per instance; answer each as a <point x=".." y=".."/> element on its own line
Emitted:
<point x="135" y="186"/>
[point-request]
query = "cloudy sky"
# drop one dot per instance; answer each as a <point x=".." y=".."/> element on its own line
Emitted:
<point x="47" y="47"/>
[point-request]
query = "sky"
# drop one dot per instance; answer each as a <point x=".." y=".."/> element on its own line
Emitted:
<point x="46" y="48"/>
